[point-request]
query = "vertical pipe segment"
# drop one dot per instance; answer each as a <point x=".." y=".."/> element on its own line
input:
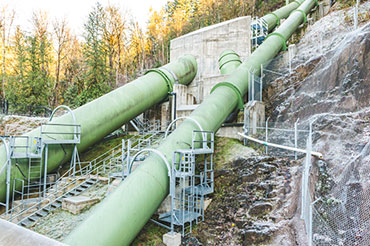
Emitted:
<point x="228" y="62"/>
<point x="118" y="219"/>
<point x="105" y="114"/>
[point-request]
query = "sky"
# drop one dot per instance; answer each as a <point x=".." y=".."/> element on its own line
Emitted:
<point x="76" y="11"/>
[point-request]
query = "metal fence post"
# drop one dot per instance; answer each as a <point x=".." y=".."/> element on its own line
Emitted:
<point x="266" y="134"/>
<point x="252" y="75"/>
<point x="261" y="81"/>
<point x="296" y="138"/>
<point x="355" y="14"/>
<point x="310" y="225"/>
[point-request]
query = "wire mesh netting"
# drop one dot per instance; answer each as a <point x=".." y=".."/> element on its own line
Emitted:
<point x="344" y="217"/>
<point x="281" y="133"/>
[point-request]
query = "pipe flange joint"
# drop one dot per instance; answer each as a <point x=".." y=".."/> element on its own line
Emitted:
<point x="283" y="40"/>
<point x="235" y="89"/>
<point x="172" y="73"/>
<point x="277" y="18"/>
<point x="303" y="13"/>
<point x="233" y="60"/>
<point x="164" y="76"/>
<point x="226" y="53"/>
<point x="299" y="4"/>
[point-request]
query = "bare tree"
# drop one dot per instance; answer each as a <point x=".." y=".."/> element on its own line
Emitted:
<point x="6" y="23"/>
<point x="61" y="33"/>
<point x="115" y="34"/>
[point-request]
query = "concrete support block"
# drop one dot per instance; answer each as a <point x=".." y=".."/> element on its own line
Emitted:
<point x="230" y="132"/>
<point x="165" y="115"/>
<point x="256" y="111"/>
<point x="321" y="10"/>
<point x="76" y="203"/>
<point x="172" y="239"/>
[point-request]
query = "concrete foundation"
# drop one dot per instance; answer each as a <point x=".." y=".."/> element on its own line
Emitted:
<point x="76" y="203"/>
<point x="14" y="235"/>
<point x="172" y="239"/>
<point x="230" y="131"/>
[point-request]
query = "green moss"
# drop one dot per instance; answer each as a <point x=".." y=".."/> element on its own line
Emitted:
<point x="151" y="234"/>
<point x="223" y="150"/>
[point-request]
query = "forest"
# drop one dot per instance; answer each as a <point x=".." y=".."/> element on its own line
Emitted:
<point x="50" y="65"/>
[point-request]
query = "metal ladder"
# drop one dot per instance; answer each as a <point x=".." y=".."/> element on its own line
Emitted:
<point x="189" y="186"/>
<point x="34" y="180"/>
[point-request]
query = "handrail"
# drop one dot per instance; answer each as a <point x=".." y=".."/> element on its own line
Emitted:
<point x="7" y="154"/>
<point x="156" y="152"/>
<point x="317" y="154"/>
<point x="179" y="118"/>
<point x="91" y="167"/>
<point x="73" y="118"/>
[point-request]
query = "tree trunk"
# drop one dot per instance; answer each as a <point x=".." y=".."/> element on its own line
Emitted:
<point x="4" y="70"/>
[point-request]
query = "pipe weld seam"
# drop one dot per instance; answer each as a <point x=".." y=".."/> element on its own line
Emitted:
<point x="277" y="18"/>
<point x="235" y="89"/>
<point x="164" y="76"/>
<point x="303" y="14"/>
<point x="283" y="40"/>
<point x="173" y="74"/>
<point x="299" y="4"/>
<point x="232" y="60"/>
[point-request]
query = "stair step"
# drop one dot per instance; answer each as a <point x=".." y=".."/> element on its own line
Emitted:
<point x="56" y="205"/>
<point x="41" y="213"/>
<point x="27" y="223"/>
<point x="33" y="218"/>
<point x="74" y="193"/>
<point x="80" y="189"/>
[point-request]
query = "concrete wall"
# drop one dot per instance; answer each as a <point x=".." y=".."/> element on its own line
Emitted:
<point x="206" y="45"/>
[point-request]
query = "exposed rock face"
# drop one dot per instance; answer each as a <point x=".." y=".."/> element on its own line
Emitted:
<point x="248" y="206"/>
<point x="331" y="89"/>
<point x="17" y="125"/>
<point x="260" y="208"/>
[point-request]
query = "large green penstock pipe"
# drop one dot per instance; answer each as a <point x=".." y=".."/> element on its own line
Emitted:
<point x="100" y="117"/>
<point x="273" y="18"/>
<point x="120" y="217"/>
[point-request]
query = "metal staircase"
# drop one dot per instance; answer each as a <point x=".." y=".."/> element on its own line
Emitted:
<point x="191" y="180"/>
<point x="56" y="203"/>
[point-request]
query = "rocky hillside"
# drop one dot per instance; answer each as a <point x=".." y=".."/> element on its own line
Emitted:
<point x="257" y="199"/>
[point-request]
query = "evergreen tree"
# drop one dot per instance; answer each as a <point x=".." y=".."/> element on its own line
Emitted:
<point x="96" y="76"/>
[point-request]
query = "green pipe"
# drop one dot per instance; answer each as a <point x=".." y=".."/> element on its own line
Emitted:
<point x="100" y="117"/>
<point x="273" y="18"/>
<point x="120" y="217"/>
<point x="228" y="62"/>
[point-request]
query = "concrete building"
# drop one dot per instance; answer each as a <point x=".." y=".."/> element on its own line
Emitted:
<point x="206" y="45"/>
